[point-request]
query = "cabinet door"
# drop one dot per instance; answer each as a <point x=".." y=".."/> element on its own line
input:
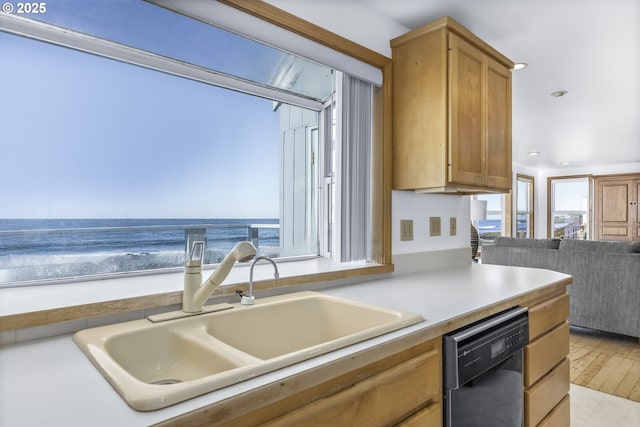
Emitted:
<point x="498" y="130"/>
<point x="547" y="315"/>
<point x="560" y="416"/>
<point x="466" y="94"/>
<point x="541" y="355"/>
<point x="431" y="416"/>
<point x="383" y="399"/>
<point x="543" y="397"/>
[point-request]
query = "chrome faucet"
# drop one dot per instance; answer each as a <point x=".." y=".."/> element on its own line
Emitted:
<point x="197" y="293"/>
<point x="250" y="299"/>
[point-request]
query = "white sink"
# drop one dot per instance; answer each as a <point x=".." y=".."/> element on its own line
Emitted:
<point x="154" y="365"/>
<point x="309" y="323"/>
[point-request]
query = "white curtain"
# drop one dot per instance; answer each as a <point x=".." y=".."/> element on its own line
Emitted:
<point x="355" y="186"/>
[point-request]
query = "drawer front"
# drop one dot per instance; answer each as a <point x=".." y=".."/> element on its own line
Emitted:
<point x="541" y="355"/>
<point x="560" y="416"/>
<point x="382" y="399"/>
<point x="541" y="398"/>
<point x="430" y="416"/>
<point x="546" y="315"/>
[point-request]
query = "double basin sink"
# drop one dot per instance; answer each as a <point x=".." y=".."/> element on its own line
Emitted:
<point x="156" y="364"/>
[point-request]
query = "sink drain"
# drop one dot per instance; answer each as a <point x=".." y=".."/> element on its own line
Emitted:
<point x="166" y="381"/>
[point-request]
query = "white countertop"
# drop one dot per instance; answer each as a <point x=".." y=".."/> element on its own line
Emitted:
<point x="51" y="382"/>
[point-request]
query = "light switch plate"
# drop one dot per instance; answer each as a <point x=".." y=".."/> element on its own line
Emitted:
<point x="406" y="230"/>
<point x="453" y="226"/>
<point x="434" y="226"/>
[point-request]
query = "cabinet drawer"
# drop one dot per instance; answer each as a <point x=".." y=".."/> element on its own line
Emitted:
<point x="559" y="417"/>
<point x="542" y="397"/>
<point x="545" y="316"/>
<point x="541" y="355"/>
<point x="430" y="416"/>
<point x="382" y="399"/>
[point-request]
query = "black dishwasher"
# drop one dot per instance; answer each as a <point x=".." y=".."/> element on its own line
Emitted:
<point x="482" y="376"/>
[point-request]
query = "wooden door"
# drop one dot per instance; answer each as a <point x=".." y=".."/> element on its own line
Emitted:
<point x="466" y="111"/>
<point x="635" y="208"/>
<point x="616" y="208"/>
<point x="498" y="127"/>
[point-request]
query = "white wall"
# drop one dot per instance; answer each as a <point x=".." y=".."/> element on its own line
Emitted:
<point x="419" y="207"/>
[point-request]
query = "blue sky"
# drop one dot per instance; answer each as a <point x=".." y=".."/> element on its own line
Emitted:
<point x="86" y="137"/>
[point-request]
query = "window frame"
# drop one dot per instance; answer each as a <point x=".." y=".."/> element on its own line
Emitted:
<point x="126" y="56"/>
<point x="550" y="201"/>
<point x="531" y="207"/>
<point x="504" y="212"/>
<point x="381" y="141"/>
<point x="381" y="195"/>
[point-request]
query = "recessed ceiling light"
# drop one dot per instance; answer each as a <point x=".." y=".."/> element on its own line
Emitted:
<point x="559" y="93"/>
<point x="533" y="153"/>
<point x="519" y="66"/>
<point x="565" y="163"/>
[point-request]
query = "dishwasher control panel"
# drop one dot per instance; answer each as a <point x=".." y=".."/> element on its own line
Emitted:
<point x="474" y="349"/>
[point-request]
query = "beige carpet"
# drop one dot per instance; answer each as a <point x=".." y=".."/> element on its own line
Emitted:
<point x="591" y="408"/>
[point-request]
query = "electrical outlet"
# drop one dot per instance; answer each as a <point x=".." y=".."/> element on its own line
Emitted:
<point x="406" y="230"/>
<point x="453" y="226"/>
<point x="434" y="226"/>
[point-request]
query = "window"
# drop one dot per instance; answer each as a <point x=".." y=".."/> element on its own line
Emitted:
<point x="139" y="163"/>
<point x="569" y="201"/>
<point x="492" y="223"/>
<point x="524" y="206"/>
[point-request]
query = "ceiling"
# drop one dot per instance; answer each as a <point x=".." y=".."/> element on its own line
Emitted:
<point x="590" y="48"/>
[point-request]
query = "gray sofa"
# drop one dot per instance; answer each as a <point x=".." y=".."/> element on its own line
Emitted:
<point x="605" y="293"/>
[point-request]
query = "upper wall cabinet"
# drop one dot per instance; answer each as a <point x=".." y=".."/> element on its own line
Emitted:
<point x="451" y="112"/>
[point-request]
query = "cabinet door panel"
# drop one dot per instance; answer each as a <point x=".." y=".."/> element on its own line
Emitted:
<point x="540" y="399"/>
<point x="560" y="416"/>
<point x="382" y="399"/>
<point x="498" y="132"/>
<point x="545" y="316"/>
<point x="466" y="111"/>
<point x="428" y="417"/>
<point x="544" y="353"/>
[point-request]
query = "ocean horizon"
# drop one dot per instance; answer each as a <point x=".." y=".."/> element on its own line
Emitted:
<point x="39" y="249"/>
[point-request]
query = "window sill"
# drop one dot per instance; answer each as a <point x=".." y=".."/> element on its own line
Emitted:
<point x="25" y="307"/>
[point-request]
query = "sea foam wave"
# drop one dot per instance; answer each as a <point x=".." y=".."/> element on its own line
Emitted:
<point x="23" y="268"/>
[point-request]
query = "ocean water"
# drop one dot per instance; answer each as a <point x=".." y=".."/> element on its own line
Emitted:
<point x="40" y="249"/>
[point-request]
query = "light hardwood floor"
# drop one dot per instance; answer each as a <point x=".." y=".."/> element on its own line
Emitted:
<point x="605" y="362"/>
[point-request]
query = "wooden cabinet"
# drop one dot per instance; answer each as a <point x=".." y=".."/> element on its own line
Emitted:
<point x="546" y="364"/>
<point x="451" y="112"/>
<point x="543" y="397"/>
<point x="387" y="398"/>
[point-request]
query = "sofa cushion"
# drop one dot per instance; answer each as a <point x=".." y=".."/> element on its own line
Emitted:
<point x="599" y="246"/>
<point x="512" y="242"/>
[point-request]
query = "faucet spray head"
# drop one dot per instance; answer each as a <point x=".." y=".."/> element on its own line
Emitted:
<point x="244" y="251"/>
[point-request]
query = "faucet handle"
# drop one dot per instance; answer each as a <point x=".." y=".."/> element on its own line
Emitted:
<point x="248" y="300"/>
<point x="196" y="254"/>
